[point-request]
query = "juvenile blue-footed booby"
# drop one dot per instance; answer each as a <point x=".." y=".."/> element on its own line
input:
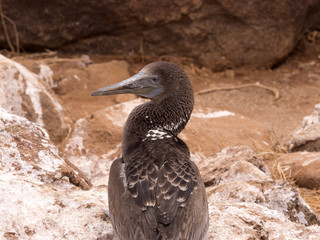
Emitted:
<point x="155" y="190"/>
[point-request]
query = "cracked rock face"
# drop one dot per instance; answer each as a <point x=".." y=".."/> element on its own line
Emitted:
<point x="41" y="194"/>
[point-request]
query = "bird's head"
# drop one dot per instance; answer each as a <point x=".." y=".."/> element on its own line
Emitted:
<point x="155" y="81"/>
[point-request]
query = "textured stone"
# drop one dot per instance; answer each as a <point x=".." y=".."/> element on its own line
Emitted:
<point x="26" y="94"/>
<point x="232" y="163"/>
<point x="217" y="34"/>
<point x="306" y="137"/>
<point x="245" y="221"/>
<point x="302" y="167"/>
<point x="38" y="189"/>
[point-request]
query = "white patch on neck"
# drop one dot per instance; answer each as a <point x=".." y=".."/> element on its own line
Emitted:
<point x="156" y="134"/>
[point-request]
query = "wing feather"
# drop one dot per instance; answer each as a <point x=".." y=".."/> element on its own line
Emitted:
<point x="160" y="190"/>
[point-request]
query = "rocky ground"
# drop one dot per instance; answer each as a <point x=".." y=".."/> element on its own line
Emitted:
<point x="254" y="135"/>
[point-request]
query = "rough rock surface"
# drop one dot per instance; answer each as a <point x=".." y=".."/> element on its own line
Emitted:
<point x="302" y="167"/>
<point x="244" y="203"/>
<point x="25" y="94"/>
<point x="218" y="34"/>
<point x="223" y="166"/>
<point x="245" y="221"/>
<point x="237" y="174"/>
<point x="307" y="137"/>
<point x="38" y="189"/>
<point x="256" y="204"/>
<point x="26" y="149"/>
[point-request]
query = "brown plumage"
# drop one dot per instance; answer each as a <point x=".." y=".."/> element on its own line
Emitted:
<point x="155" y="190"/>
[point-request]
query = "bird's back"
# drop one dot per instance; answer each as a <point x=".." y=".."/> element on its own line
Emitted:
<point x="161" y="188"/>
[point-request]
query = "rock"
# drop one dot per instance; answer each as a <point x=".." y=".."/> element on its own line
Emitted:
<point x="231" y="164"/>
<point x="26" y="149"/>
<point x="236" y="174"/>
<point x="245" y="221"/>
<point x="25" y="94"/>
<point x="39" y="193"/>
<point x="217" y="34"/>
<point x="307" y="137"/>
<point x="302" y="167"/>
<point x="273" y="195"/>
<point x="245" y="203"/>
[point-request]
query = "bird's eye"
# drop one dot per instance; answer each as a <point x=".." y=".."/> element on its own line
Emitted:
<point x="155" y="79"/>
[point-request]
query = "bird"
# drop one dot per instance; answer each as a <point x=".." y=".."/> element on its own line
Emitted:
<point x="155" y="191"/>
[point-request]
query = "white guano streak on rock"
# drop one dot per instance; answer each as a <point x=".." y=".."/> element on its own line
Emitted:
<point x="216" y="114"/>
<point x="31" y="90"/>
<point x="79" y="134"/>
<point x="46" y="74"/>
<point x="10" y="96"/>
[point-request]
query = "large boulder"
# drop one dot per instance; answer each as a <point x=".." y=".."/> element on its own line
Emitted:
<point x="42" y="196"/>
<point x="27" y="94"/>
<point x="218" y="34"/>
<point x="245" y="203"/>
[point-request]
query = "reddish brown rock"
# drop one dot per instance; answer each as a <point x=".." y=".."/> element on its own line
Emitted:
<point x="76" y="80"/>
<point x="302" y="167"/>
<point x="306" y="137"/>
<point x="217" y="34"/>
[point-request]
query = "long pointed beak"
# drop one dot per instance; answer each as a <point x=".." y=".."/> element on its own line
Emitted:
<point x="142" y="84"/>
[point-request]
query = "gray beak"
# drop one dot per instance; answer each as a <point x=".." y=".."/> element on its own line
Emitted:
<point x="141" y="84"/>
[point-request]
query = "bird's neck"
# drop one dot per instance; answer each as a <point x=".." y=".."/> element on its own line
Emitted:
<point x="155" y="121"/>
